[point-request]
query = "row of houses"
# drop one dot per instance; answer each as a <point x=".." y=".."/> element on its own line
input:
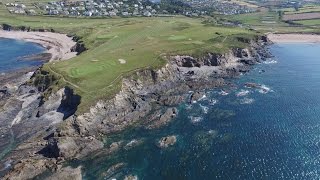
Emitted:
<point x="221" y="7"/>
<point x="18" y="8"/>
<point x="99" y="8"/>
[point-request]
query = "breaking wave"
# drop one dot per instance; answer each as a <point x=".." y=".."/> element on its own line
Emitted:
<point x="205" y="109"/>
<point x="213" y="102"/>
<point x="195" y="119"/>
<point x="223" y="93"/>
<point x="203" y="97"/>
<point x="246" y="101"/>
<point x="242" y="92"/>
<point x="270" y="62"/>
<point x="264" y="89"/>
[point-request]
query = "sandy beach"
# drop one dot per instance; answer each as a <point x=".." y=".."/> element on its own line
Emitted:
<point x="59" y="45"/>
<point x="294" y="38"/>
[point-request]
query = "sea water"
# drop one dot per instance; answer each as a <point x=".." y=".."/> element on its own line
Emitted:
<point x="12" y="52"/>
<point x="270" y="132"/>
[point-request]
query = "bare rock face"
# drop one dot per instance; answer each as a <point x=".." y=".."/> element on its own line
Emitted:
<point x="196" y="96"/>
<point x="69" y="147"/>
<point x="64" y="102"/>
<point x="167" y="141"/>
<point x="28" y="169"/>
<point x="21" y="121"/>
<point x="160" y="119"/>
<point x="67" y="173"/>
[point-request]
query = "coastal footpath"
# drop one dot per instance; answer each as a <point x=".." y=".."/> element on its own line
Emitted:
<point x="48" y="133"/>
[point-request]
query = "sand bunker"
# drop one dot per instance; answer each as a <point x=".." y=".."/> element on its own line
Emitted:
<point x="122" y="61"/>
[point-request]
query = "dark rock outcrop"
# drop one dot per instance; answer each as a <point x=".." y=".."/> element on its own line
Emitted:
<point x="167" y="141"/>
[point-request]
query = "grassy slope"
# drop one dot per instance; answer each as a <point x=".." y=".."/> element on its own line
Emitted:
<point x="142" y="42"/>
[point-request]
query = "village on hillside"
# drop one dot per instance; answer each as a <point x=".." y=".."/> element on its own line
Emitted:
<point x="124" y="8"/>
<point x="87" y="8"/>
<point x="221" y="7"/>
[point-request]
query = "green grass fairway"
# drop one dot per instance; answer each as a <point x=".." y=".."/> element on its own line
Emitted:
<point x="141" y="42"/>
<point x="311" y="22"/>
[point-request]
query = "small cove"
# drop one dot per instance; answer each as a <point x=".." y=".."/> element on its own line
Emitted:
<point x="11" y="52"/>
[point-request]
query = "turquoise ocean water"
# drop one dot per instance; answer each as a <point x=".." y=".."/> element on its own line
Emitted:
<point x="11" y="52"/>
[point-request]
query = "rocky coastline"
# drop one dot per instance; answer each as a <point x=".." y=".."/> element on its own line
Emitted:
<point x="44" y="133"/>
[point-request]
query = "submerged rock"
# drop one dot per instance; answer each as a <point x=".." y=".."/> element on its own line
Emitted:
<point x="115" y="146"/>
<point x="252" y="85"/>
<point x="167" y="141"/>
<point x="113" y="169"/>
<point x="196" y="96"/>
<point x="133" y="143"/>
<point x="131" y="177"/>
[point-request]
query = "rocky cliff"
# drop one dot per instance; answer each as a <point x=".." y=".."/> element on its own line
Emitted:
<point x="50" y="134"/>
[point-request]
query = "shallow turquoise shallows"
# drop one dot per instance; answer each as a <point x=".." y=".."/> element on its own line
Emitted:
<point x="268" y="133"/>
<point x="11" y="52"/>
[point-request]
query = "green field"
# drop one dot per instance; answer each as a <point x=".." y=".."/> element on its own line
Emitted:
<point x="258" y="19"/>
<point x="141" y="42"/>
<point x="311" y="22"/>
<point x="271" y="22"/>
<point x="305" y="9"/>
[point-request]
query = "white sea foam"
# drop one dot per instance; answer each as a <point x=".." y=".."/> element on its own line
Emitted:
<point x="203" y="97"/>
<point x="7" y="165"/>
<point x="213" y="102"/>
<point x="132" y="142"/>
<point x="264" y="89"/>
<point x="246" y="101"/>
<point x="242" y="92"/>
<point x="195" y="119"/>
<point x="188" y="106"/>
<point x="270" y="62"/>
<point x="223" y="93"/>
<point x="213" y="133"/>
<point x="205" y="109"/>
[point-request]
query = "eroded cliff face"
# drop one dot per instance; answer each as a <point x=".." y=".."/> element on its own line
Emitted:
<point x="148" y="98"/>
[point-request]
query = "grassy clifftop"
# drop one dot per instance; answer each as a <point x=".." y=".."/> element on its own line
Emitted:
<point x="120" y="46"/>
